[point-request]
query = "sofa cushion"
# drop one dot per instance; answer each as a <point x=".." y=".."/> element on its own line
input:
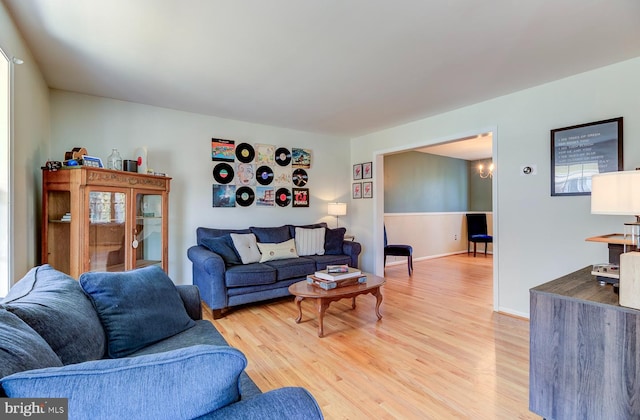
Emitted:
<point x="271" y="235"/>
<point x="223" y="246"/>
<point x="54" y="305"/>
<point x="249" y="275"/>
<point x="310" y="241"/>
<point x="293" y="267"/>
<point x="202" y="233"/>
<point x="292" y="228"/>
<point x="280" y="251"/>
<point x="246" y="247"/>
<point x="137" y="307"/>
<point x="333" y="239"/>
<point x="321" y="261"/>
<point x="21" y="348"/>
<point x="180" y="384"/>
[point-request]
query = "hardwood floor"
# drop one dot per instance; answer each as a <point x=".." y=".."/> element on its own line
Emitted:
<point x="439" y="352"/>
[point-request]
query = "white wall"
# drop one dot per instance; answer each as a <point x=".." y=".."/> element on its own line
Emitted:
<point x="539" y="237"/>
<point x="30" y="147"/>
<point x="179" y="143"/>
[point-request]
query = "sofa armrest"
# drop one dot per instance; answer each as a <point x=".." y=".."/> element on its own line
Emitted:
<point x="190" y="295"/>
<point x="165" y="385"/>
<point x="209" y="275"/>
<point x="279" y="404"/>
<point x="353" y="250"/>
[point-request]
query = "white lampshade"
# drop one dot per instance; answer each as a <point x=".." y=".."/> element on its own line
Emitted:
<point x="616" y="193"/>
<point x="337" y="209"/>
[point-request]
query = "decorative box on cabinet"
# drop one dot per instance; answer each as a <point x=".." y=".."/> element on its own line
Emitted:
<point x="97" y="219"/>
<point x="584" y="351"/>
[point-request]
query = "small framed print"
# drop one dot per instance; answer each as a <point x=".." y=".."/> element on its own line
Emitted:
<point x="94" y="162"/>
<point x="367" y="189"/>
<point x="357" y="171"/>
<point x="356" y="190"/>
<point x="300" y="197"/>
<point x="367" y="170"/>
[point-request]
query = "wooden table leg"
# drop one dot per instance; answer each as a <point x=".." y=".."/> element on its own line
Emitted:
<point x="378" y="295"/>
<point x="321" y="306"/>
<point x="298" y="300"/>
<point x="353" y="303"/>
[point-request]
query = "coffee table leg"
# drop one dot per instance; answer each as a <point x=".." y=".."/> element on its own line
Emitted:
<point x="353" y="303"/>
<point x="378" y="295"/>
<point x="321" y="306"/>
<point x="298" y="300"/>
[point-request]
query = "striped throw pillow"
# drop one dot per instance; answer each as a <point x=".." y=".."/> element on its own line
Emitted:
<point x="310" y="241"/>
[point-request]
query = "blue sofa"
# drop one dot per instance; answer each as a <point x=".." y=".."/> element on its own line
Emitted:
<point x="225" y="281"/>
<point x="128" y="345"/>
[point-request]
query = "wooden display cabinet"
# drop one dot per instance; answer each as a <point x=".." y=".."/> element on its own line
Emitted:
<point x="96" y="219"/>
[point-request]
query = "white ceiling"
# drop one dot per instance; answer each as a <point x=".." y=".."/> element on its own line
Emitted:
<point x="343" y="67"/>
<point x="472" y="148"/>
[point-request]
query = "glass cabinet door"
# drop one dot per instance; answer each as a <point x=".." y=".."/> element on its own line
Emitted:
<point x="107" y="234"/>
<point x="148" y="235"/>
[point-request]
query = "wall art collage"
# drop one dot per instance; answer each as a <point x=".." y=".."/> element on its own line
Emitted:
<point x="260" y="174"/>
<point x="362" y="189"/>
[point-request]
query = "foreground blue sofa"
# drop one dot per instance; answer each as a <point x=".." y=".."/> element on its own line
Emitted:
<point x="226" y="279"/>
<point x="128" y="345"/>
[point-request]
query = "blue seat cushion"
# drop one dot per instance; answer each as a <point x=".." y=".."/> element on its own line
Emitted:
<point x="21" y="348"/>
<point x="481" y="238"/>
<point x="54" y="305"/>
<point x="249" y="275"/>
<point x="137" y="307"/>
<point x="321" y="261"/>
<point x="292" y="267"/>
<point x="179" y="384"/>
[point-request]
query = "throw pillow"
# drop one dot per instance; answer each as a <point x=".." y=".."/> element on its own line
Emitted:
<point x="279" y="251"/>
<point x="310" y="241"/>
<point x="180" y="384"/>
<point x="271" y="235"/>
<point x="54" y="305"/>
<point x="333" y="241"/>
<point x="247" y="247"/>
<point x="21" y="348"/>
<point x="137" y="307"/>
<point x="223" y="246"/>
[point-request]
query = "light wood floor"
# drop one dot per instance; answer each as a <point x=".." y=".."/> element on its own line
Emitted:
<point x="440" y="352"/>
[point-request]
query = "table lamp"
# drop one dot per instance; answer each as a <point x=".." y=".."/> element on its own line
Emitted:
<point x="337" y="209"/>
<point x="617" y="193"/>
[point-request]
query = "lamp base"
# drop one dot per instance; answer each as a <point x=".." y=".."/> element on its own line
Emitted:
<point x="629" y="294"/>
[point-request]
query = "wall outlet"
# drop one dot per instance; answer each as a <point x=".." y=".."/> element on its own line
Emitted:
<point x="455" y="237"/>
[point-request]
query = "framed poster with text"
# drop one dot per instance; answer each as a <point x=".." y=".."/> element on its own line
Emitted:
<point x="581" y="151"/>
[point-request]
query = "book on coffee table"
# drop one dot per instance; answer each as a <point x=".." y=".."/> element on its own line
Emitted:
<point x="351" y="272"/>
<point x="332" y="284"/>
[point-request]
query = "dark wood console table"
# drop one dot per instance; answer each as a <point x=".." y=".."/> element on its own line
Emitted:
<point x="584" y="351"/>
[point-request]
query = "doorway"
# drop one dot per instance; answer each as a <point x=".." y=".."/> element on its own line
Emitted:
<point x="475" y="146"/>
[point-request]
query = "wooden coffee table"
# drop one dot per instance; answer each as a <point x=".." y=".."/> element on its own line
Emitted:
<point x="303" y="290"/>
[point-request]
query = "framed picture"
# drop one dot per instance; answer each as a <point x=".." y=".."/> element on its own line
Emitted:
<point x="357" y="171"/>
<point x="300" y="197"/>
<point x="367" y="189"/>
<point x="356" y="190"/>
<point x="367" y="170"/>
<point x="580" y="151"/>
<point x="94" y="162"/>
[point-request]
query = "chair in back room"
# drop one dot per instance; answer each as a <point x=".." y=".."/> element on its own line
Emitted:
<point x="477" y="232"/>
<point x="396" y="250"/>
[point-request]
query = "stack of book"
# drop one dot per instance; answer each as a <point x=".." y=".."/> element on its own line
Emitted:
<point x="336" y="276"/>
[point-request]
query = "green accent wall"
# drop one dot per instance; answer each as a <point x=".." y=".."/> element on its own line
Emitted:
<point x="416" y="182"/>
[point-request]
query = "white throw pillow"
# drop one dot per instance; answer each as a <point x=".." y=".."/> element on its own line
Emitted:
<point x="310" y="241"/>
<point x="246" y="245"/>
<point x="286" y="249"/>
